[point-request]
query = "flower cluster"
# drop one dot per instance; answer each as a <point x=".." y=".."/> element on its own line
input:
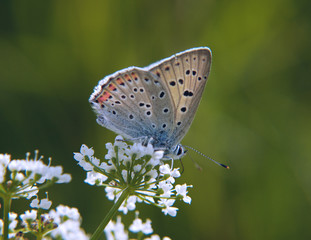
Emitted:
<point x="137" y="169"/>
<point x="22" y="178"/>
<point x="68" y="223"/>
<point x="116" y="230"/>
<point x="62" y="223"/>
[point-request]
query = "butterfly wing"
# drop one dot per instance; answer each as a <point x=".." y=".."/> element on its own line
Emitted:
<point x="133" y="103"/>
<point x="184" y="75"/>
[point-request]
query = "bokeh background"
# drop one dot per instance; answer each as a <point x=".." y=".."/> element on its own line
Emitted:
<point x="254" y="115"/>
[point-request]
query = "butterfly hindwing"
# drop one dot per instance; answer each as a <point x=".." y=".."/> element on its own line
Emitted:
<point x="133" y="103"/>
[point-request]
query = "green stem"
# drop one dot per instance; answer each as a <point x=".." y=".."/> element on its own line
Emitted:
<point x="6" y="210"/>
<point x="100" y="229"/>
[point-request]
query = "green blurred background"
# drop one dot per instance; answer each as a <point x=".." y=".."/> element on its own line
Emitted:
<point x="254" y="115"/>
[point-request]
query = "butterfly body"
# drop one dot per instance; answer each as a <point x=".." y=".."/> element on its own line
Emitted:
<point x="154" y="104"/>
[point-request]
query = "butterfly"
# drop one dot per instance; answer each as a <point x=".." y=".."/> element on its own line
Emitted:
<point x="155" y="104"/>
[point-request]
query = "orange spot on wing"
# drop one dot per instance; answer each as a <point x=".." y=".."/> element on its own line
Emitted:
<point x="119" y="81"/>
<point x="111" y="87"/>
<point x="134" y="75"/>
<point x="127" y="78"/>
<point x="103" y="97"/>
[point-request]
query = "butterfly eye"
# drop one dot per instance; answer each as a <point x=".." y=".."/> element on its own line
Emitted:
<point x="179" y="150"/>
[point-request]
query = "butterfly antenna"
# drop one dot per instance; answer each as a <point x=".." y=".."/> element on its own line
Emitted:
<point x="220" y="164"/>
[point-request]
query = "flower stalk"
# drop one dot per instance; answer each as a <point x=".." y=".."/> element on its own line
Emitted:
<point x="7" y="200"/>
<point x="100" y="229"/>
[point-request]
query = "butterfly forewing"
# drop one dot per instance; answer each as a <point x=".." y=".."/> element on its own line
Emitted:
<point x="185" y="75"/>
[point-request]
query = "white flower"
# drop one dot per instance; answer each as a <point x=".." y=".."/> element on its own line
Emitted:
<point x="28" y="216"/>
<point x="107" y="167"/>
<point x="62" y="211"/>
<point x="44" y="203"/>
<point x="128" y="205"/>
<point x="5" y="159"/>
<point x="69" y="230"/>
<point x="82" y="162"/>
<point x="35" y="170"/>
<point x="56" y="172"/>
<point x="95" y="178"/>
<point x="18" y="176"/>
<point x="85" y="151"/>
<point x="115" y="231"/>
<point x="182" y="190"/>
<point x="2" y="173"/>
<point x="86" y="166"/>
<point x="12" y="220"/>
<point x="112" y="192"/>
<point x="153" y="237"/>
<point x="34" y="203"/>
<point x="29" y="191"/>
<point x="156" y="157"/>
<point x="166" y="187"/>
<point x="165" y="170"/>
<point x="140" y="150"/>
<point x="153" y="174"/>
<point x="68" y="222"/>
<point x="139" y="226"/>
<point x="80" y="157"/>
<point x="95" y="161"/>
<point x="167" y="207"/>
